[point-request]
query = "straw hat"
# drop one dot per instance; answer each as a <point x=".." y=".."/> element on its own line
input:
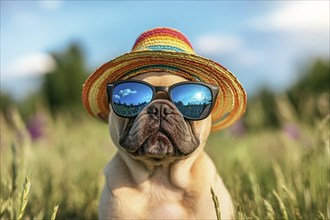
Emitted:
<point x="165" y="49"/>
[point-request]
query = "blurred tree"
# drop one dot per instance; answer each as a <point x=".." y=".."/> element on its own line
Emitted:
<point x="26" y="106"/>
<point x="315" y="80"/>
<point x="261" y="111"/>
<point x="308" y="99"/>
<point x="62" y="87"/>
<point x="310" y="95"/>
<point x="6" y="101"/>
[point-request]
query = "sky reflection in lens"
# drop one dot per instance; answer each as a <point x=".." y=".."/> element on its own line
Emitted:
<point x="132" y="93"/>
<point x="192" y="100"/>
<point x="128" y="99"/>
<point x="191" y="94"/>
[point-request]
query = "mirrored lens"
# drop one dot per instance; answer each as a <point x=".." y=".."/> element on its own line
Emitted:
<point x="129" y="98"/>
<point x="194" y="101"/>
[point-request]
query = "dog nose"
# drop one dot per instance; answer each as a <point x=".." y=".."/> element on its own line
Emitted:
<point x="160" y="109"/>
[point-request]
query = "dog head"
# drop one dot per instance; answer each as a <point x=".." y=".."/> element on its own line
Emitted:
<point x="159" y="134"/>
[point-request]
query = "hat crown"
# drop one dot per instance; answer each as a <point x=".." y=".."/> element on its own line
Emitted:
<point x="163" y="39"/>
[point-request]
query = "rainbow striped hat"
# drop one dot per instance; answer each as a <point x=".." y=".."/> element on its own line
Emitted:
<point x="165" y="49"/>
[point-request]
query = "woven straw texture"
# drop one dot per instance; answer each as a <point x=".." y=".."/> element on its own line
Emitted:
<point x="165" y="49"/>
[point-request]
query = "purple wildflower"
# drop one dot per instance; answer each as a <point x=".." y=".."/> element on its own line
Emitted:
<point x="292" y="130"/>
<point x="35" y="126"/>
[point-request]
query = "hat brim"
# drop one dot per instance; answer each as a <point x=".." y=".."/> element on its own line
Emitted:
<point x="231" y="100"/>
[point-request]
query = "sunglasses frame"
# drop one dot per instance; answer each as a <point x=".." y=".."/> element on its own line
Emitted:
<point x="155" y="89"/>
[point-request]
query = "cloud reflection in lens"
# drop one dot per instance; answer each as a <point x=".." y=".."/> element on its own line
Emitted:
<point x="129" y="98"/>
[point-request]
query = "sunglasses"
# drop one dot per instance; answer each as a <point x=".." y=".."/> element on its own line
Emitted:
<point x="194" y="100"/>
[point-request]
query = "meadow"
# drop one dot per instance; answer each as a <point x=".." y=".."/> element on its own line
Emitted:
<point x="54" y="169"/>
<point x="275" y="161"/>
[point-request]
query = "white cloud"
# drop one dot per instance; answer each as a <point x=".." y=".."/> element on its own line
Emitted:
<point x="228" y="46"/>
<point x="126" y="92"/>
<point x="215" y="44"/>
<point x="296" y="16"/>
<point x="30" y="65"/>
<point x="25" y="19"/>
<point x="117" y="96"/>
<point x="50" y="5"/>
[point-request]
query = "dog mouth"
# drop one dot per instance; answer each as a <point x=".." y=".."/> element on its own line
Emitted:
<point x="157" y="147"/>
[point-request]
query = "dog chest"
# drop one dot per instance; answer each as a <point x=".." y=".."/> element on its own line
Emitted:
<point x="148" y="202"/>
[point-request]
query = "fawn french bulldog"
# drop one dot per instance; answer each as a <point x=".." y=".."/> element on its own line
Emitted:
<point x="161" y="100"/>
<point x="161" y="169"/>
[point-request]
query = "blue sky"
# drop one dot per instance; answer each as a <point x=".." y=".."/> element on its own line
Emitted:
<point x="264" y="43"/>
<point x="132" y="93"/>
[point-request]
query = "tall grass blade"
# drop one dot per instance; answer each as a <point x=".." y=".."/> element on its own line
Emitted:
<point x="298" y="214"/>
<point x="256" y="192"/>
<point x="216" y="204"/>
<point x="25" y="197"/>
<point x="290" y="199"/>
<point x="270" y="214"/>
<point x="14" y="170"/>
<point x="239" y="212"/>
<point x="281" y="204"/>
<point x="320" y="215"/>
<point x="54" y="212"/>
<point x="279" y="177"/>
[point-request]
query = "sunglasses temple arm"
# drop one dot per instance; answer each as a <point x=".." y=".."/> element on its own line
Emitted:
<point x="215" y="91"/>
<point x="109" y="91"/>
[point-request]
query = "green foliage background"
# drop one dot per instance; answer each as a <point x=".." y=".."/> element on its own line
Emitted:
<point x="275" y="162"/>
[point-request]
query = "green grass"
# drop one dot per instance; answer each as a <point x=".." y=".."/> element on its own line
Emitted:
<point x="269" y="174"/>
<point x="272" y="176"/>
